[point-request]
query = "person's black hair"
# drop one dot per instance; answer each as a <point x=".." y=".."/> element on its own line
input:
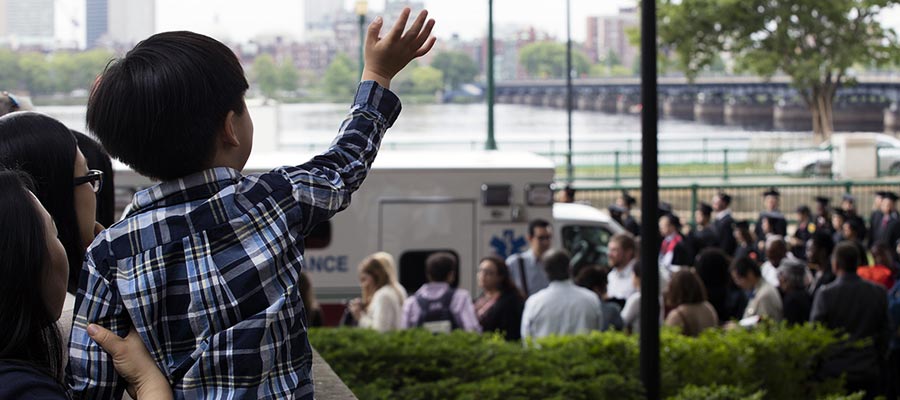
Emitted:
<point x="506" y="282"/>
<point x="438" y="266"/>
<point x="537" y="223"/>
<point x="846" y="257"/>
<point x="29" y="333"/>
<point x="823" y="242"/>
<point x="592" y="276"/>
<point x="159" y="108"/>
<point x="712" y="267"/>
<point x="743" y="266"/>
<point x="556" y="264"/>
<point x="97" y="158"/>
<point x="45" y="149"/>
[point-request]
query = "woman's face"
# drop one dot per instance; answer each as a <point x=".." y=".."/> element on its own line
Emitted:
<point x="488" y="279"/>
<point x="810" y="250"/>
<point x="85" y="203"/>
<point x="366" y="282"/>
<point x="56" y="270"/>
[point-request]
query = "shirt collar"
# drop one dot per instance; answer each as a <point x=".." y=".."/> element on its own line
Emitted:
<point x="201" y="185"/>
<point x="723" y="213"/>
<point x="561" y="284"/>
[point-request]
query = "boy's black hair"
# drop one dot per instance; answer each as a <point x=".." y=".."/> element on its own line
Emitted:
<point x="537" y="223"/>
<point x="438" y="266"/>
<point x="159" y="108"/>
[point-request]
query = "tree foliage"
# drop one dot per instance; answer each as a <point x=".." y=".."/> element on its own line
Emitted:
<point x="427" y="80"/>
<point x="548" y="60"/>
<point x="60" y="72"/>
<point x="814" y="42"/>
<point x="457" y="68"/>
<point x="340" y="78"/>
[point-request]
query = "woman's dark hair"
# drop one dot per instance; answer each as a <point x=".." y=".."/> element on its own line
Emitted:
<point x="592" y="276"/>
<point x="506" y="282"/>
<point x="745" y="234"/>
<point x="97" y="158"/>
<point x="159" y="108"/>
<point x="685" y="287"/>
<point x="45" y="149"/>
<point x="29" y="333"/>
<point x="743" y="266"/>
<point x="823" y="245"/>
<point x="712" y="268"/>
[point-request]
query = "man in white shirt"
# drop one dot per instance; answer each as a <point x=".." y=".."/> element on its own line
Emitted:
<point x="528" y="264"/>
<point x="776" y="252"/>
<point x="562" y="308"/>
<point x="622" y="250"/>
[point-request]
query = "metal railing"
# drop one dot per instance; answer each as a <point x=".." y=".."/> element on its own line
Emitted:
<point x="747" y="199"/>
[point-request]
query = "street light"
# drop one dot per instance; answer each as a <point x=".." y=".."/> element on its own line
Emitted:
<point x="490" y="144"/>
<point x="362" y="7"/>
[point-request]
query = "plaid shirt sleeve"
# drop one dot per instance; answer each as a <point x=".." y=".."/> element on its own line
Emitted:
<point x="210" y="284"/>
<point x="324" y="184"/>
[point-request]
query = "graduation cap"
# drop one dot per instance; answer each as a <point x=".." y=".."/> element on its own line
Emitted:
<point x="615" y="209"/>
<point x="880" y="193"/>
<point x="890" y="195"/>
<point x="803" y="210"/>
<point x="705" y="208"/>
<point x="742" y="224"/>
<point x="848" y="197"/>
<point x="839" y="211"/>
<point x="665" y="208"/>
<point x="725" y="197"/>
<point x="823" y="201"/>
<point x="629" y="200"/>
<point x="771" y="215"/>
<point x="772" y="192"/>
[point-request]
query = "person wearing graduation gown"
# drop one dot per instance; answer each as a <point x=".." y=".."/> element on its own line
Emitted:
<point x="822" y="216"/>
<point x="703" y="235"/>
<point x="626" y="201"/>
<point x="746" y="245"/>
<point x="805" y="229"/>
<point x="837" y="225"/>
<point x="887" y="230"/>
<point x="673" y="249"/>
<point x="874" y="217"/>
<point x="723" y="223"/>
<point x="848" y="204"/>
<point x="771" y="198"/>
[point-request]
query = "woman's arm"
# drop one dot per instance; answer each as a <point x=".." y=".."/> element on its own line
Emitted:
<point x="133" y="362"/>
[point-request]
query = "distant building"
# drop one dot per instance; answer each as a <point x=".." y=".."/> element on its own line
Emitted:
<point x="96" y="21"/>
<point x="131" y="21"/>
<point x="27" y="23"/>
<point x="608" y="34"/>
<point x="321" y="15"/>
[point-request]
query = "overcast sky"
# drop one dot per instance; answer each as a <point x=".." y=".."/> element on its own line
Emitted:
<point x="242" y="19"/>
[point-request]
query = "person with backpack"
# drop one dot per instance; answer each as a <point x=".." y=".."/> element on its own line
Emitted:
<point x="438" y="306"/>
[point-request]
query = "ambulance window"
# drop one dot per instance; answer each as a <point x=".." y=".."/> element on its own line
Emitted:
<point x="589" y="245"/>
<point x="320" y="237"/>
<point x="412" y="268"/>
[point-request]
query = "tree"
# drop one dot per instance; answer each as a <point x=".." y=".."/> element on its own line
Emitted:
<point x="265" y="74"/>
<point x="548" y="60"/>
<point x="457" y="68"/>
<point x="815" y="42"/>
<point x="11" y="76"/>
<point x="288" y="76"/>
<point x="341" y="77"/>
<point x="427" y="80"/>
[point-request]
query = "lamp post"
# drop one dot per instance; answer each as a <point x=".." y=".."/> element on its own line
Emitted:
<point x="362" y="7"/>
<point x="569" y="168"/>
<point x="490" y="144"/>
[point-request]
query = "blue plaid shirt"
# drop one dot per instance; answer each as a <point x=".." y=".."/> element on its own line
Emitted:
<point x="206" y="268"/>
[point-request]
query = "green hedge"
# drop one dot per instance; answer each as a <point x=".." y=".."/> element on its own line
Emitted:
<point x="775" y="362"/>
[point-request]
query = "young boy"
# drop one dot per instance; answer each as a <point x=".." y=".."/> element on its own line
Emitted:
<point x="205" y="267"/>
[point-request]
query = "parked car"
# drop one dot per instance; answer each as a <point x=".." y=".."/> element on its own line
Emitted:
<point x="817" y="161"/>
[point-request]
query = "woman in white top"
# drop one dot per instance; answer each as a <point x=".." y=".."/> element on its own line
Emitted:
<point x="381" y="305"/>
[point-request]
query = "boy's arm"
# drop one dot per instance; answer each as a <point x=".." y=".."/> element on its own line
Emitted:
<point x="90" y="372"/>
<point x="325" y="183"/>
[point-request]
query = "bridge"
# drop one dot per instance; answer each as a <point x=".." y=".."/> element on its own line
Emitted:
<point x="870" y="105"/>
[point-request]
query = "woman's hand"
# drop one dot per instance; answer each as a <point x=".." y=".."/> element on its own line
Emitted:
<point x="356" y="308"/>
<point x="133" y="362"/>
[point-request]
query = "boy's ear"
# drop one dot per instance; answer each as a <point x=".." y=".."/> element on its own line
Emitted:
<point x="229" y="135"/>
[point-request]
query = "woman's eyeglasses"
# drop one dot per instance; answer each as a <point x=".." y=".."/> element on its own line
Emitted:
<point x="94" y="177"/>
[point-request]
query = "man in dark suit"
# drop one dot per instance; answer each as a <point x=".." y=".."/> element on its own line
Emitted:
<point x="887" y="229"/>
<point x="875" y="217"/>
<point x="723" y="224"/>
<point x="822" y="217"/>
<point x="857" y="307"/>
<point x="804" y="232"/>
<point x="778" y="223"/>
<point x="626" y="202"/>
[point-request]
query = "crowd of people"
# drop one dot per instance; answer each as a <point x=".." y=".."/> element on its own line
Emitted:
<point x="197" y="291"/>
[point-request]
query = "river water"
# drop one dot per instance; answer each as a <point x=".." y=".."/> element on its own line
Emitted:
<point x="464" y="126"/>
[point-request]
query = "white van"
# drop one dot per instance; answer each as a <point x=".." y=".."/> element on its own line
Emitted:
<point x="412" y="204"/>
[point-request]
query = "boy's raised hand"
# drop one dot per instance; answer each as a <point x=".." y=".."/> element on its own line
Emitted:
<point x="386" y="56"/>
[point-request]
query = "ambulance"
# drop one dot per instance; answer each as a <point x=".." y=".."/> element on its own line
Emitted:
<point x="414" y="203"/>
